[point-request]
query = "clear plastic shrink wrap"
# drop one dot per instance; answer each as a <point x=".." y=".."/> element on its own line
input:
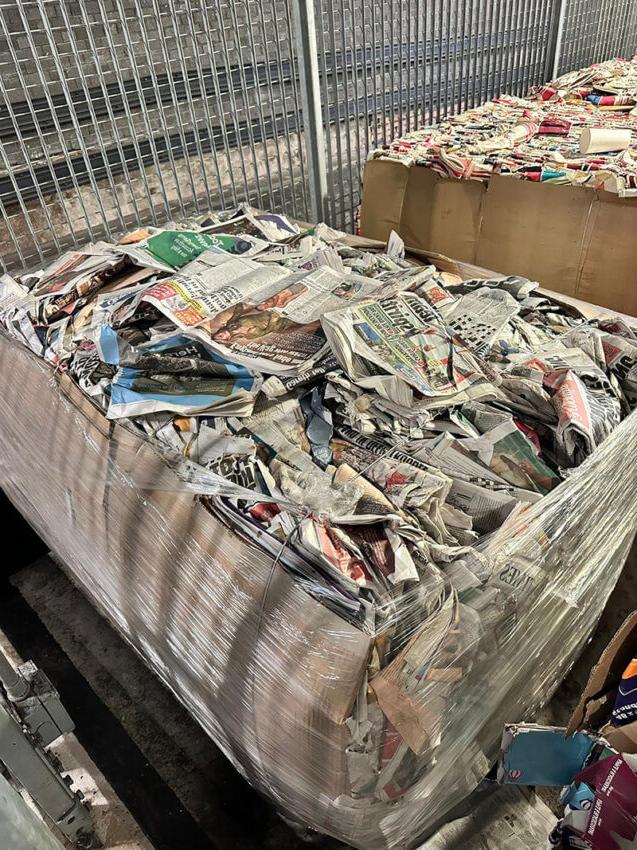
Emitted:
<point x="366" y="722"/>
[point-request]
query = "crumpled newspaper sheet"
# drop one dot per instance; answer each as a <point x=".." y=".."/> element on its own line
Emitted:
<point x="509" y="819"/>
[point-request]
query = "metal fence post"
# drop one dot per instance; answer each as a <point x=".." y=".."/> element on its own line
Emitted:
<point x="555" y="40"/>
<point x="305" y="31"/>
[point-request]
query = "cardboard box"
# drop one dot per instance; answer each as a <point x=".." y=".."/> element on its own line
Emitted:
<point x="598" y="697"/>
<point x="204" y="607"/>
<point x="572" y="239"/>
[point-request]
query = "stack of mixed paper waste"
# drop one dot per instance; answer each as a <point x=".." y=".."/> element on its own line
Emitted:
<point x="539" y="138"/>
<point x="542" y="186"/>
<point x="599" y="784"/>
<point x="394" y="437"/>
<point x="593" y="759"/>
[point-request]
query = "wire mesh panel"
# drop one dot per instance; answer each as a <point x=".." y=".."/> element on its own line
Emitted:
<point x="389" y="66"/>
<point x="595" y="30"/>
<point x="114" y="112"/>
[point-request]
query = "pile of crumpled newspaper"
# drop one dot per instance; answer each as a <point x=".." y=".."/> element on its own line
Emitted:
<point x="538" y="138"/>
<point x="374" y="422"/>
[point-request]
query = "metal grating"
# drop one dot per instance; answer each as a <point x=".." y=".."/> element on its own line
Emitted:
<point x="120" y="111"/>
<point x="114" y="112"/>
<point x="595" y="30"/>
<point x="390" y="66"/>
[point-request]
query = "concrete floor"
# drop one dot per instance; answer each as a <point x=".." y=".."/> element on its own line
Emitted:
<point x="172" y="778"/>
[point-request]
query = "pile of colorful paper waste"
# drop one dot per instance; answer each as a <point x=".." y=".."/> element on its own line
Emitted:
<point x="579" y="129"/>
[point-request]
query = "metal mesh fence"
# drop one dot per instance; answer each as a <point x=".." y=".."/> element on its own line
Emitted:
<point x="389" y="66"/>
<point x="114" y="112"/>
<point x="595" y="30"/>
<point x="117" y="111"/>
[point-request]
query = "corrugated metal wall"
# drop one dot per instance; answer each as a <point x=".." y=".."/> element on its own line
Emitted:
<point x="114" y="112"/>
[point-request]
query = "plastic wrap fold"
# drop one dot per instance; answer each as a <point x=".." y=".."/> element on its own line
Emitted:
<point x="287" y="688"/>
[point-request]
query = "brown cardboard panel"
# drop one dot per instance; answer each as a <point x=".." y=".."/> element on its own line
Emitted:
<point x="599" y="708"/>
<point x="384" y="184"/>
<point x="83" y="403"/>
<point x="413" y="720"/>
<point x="442" y="215"/>
<point x="608" y="273"/>
<point x="571" y="239"/>
<point x="623" y="739"/>
<point x="608" y="671"/>
<point x="534" y="230"/>
<point x="296" y="670"/>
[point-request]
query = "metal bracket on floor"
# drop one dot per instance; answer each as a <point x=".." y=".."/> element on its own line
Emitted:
<point x="31" y="718"/>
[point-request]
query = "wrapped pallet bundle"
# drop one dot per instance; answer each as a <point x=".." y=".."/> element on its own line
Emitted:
<point x="354" y="609"/>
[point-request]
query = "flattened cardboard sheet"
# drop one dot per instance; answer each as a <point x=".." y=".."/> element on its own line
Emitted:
<point x="535" y="230"/>
<point x="385" y="186"/>
<point x="442" y="213"/>
<point x="608" y="271"/>
<point x="571" y="239"/>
